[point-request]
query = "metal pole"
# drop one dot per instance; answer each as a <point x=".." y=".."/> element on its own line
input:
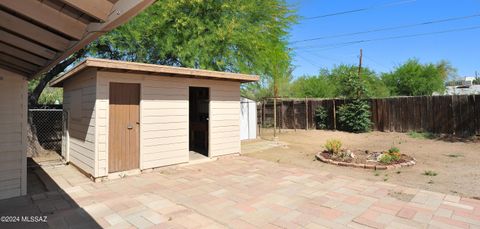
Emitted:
<point x="274" y="117"/>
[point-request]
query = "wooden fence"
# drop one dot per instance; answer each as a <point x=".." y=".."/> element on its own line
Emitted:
<point x="459" y="114"/>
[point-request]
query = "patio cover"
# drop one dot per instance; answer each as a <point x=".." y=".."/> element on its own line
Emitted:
<point x="35" y="35"/>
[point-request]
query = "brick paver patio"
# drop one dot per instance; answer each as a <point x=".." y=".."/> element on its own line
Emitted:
<point x="239" y="192"/>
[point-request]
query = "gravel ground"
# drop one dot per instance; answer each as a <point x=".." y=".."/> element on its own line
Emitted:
<point x="456" y="162"/>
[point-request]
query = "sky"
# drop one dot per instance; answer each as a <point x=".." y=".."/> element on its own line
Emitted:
<point x="460" y="48"/>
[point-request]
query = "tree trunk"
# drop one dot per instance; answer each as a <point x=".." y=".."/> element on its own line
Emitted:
<point x="34" y="148"/>
<point x="35" y="95"/>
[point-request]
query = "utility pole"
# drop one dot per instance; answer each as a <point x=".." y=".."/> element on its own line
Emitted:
<point x="360" y="68"/>
<point x="360" y="63"/>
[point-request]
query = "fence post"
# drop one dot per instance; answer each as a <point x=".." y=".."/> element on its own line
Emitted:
<point x="452" y="106"/>
<point x="263" y="113"/>
<point x="293" y="111"/>
<point x="282" y="116"/>
<point x="306" y="113"/>
<point x="334" y="116"/>
<point x="259" y="123"/>
<point x="275" y="117"/>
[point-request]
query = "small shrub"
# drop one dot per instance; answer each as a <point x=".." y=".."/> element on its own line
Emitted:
<point x="388" y="158"/>
<point x="333" y="146"/>
<point x="430" y="173"/>
<point x="355" y="116"/>
<point x="394" y="150"/>
<point x="321" y="117"/>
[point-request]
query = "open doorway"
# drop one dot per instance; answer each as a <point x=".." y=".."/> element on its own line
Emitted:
<point x="199" y="101"/>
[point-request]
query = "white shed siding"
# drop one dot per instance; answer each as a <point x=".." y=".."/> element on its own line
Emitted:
<point x="81" y="126"/>
<point x="248" y="120"/>
<point x="13" y="132"/>
<point x="164" y="119"/>
<point x="224" y="118"/>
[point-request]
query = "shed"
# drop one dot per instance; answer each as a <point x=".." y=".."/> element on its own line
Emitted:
<point x="248" y="119"/>
<point x="125" y="116"/>
<point x="34" y="37"/>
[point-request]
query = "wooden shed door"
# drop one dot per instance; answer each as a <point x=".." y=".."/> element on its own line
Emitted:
<point x="124" y="130"/>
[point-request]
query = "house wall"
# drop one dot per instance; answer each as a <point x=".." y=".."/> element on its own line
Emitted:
<point x="164" y="120"/>
<point x="79" y="98"/>
<point x="13" y="132"/>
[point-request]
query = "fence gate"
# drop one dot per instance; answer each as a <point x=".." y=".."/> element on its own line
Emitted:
<point x="49" y="126"/>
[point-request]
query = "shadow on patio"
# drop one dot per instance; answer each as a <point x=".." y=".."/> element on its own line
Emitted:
<point x="44" y="200"/>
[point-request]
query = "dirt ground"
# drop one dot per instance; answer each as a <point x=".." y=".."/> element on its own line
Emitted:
<point x="456" y="163"/>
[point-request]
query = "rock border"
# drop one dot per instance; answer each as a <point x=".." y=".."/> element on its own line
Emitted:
<point x="365" y="166"/>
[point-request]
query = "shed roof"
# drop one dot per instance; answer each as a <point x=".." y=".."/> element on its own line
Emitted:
<point x="152" y="69"/>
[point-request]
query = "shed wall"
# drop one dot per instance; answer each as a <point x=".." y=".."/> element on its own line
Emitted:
<point x="79" y="98"/>
<point x="13" y="132"/>
<point x="248" y="119"/>
<point x="164" y="121"/>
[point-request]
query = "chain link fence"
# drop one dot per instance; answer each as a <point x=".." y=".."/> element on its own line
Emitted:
<point x="48" y="124"/>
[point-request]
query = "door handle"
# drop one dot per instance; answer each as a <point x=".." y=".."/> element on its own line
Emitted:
<point x="129" y="127"/>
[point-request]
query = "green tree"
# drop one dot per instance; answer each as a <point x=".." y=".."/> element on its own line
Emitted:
<point x="330" y="83"/>
<point x="263" y="89"/>
<point x="374" y="86"/>
<point x="49" y="95"/>
<point x="354" y="116"/>
<point x="312" y="87"/>
<point x="227" y="35"/>
<point x="413" y="78"/>
<point x="476" y="81"/>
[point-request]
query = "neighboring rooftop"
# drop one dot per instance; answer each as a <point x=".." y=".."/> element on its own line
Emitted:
<point x="463" y="90"/>
<point x="152" y="69"/>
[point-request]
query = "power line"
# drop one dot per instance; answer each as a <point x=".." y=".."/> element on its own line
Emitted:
<point x="385" y="5"/>
<point x="321" y="56"/>
<point x="389" y="28"/>
<point x="309" y="61"/>
<point x="342" y="44"/>
<point x="376" y="62"/>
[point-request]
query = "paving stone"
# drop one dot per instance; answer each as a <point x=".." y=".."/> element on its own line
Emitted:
<point x="443" y="221"/>
<point x="444" y="212"/>
<point x="114" y="219"/>
<point x="369" y="223"/>
<point x="450" y="198"/>
<point x="240" y="192"/>
<point x="154" y="217"/>
<point x="423" y="217"/>
<point x="457" y="205"/>
<point x="139" y="222"/>
<point x="406" y="213"/>
<point x="46" y="207"/>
